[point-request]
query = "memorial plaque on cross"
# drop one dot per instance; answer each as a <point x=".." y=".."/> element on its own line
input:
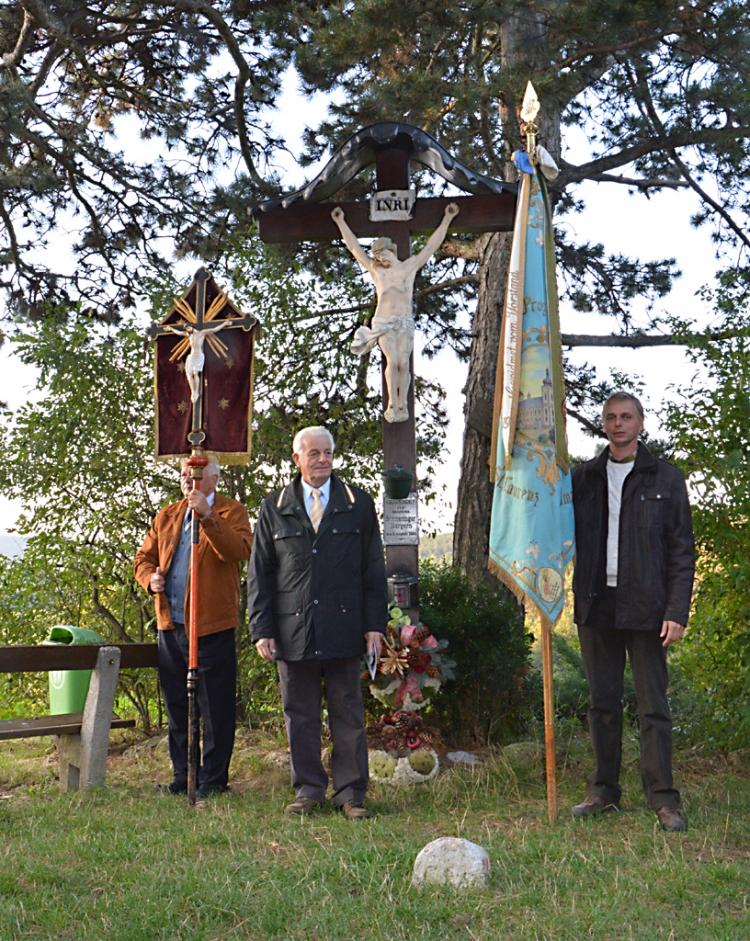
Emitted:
<point x="393" y="212"/>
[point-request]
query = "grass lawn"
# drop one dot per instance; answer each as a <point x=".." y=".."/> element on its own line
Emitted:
<point x="129" y="864"/>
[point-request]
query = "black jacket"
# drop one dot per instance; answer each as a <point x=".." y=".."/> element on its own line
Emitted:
<point x="656" y="552"/>
<point x="317" y="594"/>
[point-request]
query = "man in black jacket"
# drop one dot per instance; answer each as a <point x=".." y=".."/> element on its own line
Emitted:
<point x="318" y="599"/>
<point x="632" y="586"/>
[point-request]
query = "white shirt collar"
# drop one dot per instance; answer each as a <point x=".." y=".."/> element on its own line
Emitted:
<point x="325" y="490"/>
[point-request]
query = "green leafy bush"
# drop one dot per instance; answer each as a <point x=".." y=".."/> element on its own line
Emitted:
<point x="488" y="701"/>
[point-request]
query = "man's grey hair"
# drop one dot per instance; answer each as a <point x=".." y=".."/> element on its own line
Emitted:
<point x="298" y="446"/>
<point x="211" y="468"/>
<point x="624" y="397"/>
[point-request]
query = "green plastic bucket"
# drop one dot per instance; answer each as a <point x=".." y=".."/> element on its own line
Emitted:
<point x="68" y="688"/>
<point x="397" y="483"/>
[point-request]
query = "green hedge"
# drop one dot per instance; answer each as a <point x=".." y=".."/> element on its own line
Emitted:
<point x="489" y="699"/>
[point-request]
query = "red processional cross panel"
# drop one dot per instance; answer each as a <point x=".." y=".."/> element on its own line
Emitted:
<point x="225" y="409"/>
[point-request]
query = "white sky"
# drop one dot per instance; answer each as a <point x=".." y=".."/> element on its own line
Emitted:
<point x="649" y="229"/>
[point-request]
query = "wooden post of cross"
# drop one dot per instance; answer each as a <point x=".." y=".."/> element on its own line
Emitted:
<point x="310" y="221"/>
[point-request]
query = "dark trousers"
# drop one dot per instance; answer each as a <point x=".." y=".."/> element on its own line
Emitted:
<point x="301" y="682"/>
<point x="217" y="682"/>
<point x="604" y="649"/>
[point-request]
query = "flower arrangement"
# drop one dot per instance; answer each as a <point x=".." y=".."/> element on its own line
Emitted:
<point x="412" y="667"/>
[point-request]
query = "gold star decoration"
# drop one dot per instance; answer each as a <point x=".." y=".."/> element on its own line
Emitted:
<point x="394" y="660"/>
<point x="182" y="407"/>
<point x="223" y="403"/>
<point x="181" y="367"/>
<point x="229" y="362"/>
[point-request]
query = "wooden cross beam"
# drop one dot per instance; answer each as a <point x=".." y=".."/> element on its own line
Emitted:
<point x="491" y="212"/>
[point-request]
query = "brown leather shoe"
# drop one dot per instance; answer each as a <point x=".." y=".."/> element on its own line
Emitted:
<point x="302" y="807"/>
<point x="594" y="805"/>
<point x="355" y="810"/>
<point x="671" y="819"/>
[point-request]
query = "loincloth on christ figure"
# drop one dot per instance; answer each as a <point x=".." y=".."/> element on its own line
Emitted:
<point x="365" y="338"/>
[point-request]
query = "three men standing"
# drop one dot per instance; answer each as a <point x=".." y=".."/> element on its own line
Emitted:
<point x="317" y="600"/>
<point x="632" y="586"/>
<point x="162" y="567"/>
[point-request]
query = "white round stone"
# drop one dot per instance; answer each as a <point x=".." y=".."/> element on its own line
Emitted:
<point x="451" y="861"/>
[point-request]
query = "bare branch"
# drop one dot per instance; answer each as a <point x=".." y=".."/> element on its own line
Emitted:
<point x="638" y="340"/>
<point x="668" y="142"/>
<point x="244" y="75"/>
<point x="11" y="59"/>
<point x="620" y="47"/>
<point x="657" y="122"/>
<point x="594" y="429"/>
<point x="455" y="248"/>
<point x="640" y="184"/>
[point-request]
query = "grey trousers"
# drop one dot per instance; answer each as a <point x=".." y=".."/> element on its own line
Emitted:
<point x="301" y="687"/>
<point x="603" y="650"/>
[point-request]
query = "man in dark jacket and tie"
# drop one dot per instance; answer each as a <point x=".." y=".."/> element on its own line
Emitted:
<point x="317" y="599"/>
<point x="632" y="586"/>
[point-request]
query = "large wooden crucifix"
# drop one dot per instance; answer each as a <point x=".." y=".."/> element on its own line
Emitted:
<point x="393" y="212"/>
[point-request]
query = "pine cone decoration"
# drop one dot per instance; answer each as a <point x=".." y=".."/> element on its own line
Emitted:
<point x="403" y="721"/>
<point x="422" y="634"/>
<point x="433" y="671"/>
<point x="430" y="738"/>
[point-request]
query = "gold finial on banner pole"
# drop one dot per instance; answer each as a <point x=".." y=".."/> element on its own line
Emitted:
<point x="529" y="111"/>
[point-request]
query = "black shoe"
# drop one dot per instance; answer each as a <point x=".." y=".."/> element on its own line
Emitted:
<point x="594" y="805"/>
<point x="174" y="787"/>
<point x="671" y="819"/>
<point x="210" y="790"/>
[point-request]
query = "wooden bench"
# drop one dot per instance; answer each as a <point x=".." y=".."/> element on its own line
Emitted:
<point x="82" y="738"/>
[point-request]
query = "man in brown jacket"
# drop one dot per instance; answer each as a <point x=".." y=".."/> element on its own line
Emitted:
<point x="162" y="568"/>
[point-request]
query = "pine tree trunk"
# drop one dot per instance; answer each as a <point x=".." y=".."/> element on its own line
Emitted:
<point x="522" y="39"/>
<point x="471" y="532"/>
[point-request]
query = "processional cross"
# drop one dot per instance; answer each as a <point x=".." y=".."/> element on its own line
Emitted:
<point x="393" y="212"/>
<point x="220" y="393"/>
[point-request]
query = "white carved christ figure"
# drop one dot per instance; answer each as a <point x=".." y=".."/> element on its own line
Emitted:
<point x="392" y="326"/>
<point x="196" y="358"/>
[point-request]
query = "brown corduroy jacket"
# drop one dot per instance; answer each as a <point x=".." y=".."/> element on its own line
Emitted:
<point x="225" y="540"/>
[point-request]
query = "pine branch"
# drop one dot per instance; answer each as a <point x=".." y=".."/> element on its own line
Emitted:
<point x="638" y="340"/>
<point x="641" y="184"/>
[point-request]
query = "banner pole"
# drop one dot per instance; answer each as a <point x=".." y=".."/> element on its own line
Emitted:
<point x="529" y="111"/>
<point x="550" y="742"/>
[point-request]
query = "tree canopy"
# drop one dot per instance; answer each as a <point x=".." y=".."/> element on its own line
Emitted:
<point x="190" y="78"/>
<point x="658" y="89"/>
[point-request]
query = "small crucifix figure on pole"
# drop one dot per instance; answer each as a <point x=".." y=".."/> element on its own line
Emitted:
<point x="196" y="359"/>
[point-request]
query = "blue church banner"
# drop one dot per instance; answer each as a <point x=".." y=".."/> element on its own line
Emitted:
<point x="532" y="532"/>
